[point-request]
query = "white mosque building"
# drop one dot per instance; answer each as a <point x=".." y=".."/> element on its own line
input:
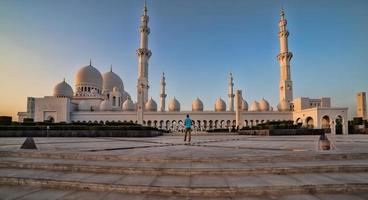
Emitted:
<point x="102" y="97"/>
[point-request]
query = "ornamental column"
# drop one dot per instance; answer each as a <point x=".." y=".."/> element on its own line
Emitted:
<point x="231" y="92"/>
<point x="143" y="54"/>
<point x="238" y="109"/>
<point x="162" y="93"/>
<point x="284" y="57"/>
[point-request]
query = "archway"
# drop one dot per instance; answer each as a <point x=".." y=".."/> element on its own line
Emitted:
<point x="222" y="124"/>
<point x="299" y="122"/>
<point x="339" y="124"/>
<point x="50" y="119"/>
<point x="309" y="122"/>
<point x="325" y="122"/>
<point x="210" y="124"/>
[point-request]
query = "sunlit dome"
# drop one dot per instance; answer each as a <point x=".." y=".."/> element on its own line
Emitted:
<point x="174" y="105"/>
<point x="244" y="105"/>
<point x="151" y="105"/>
<point x="264" y="105"/>
<point x="88" y="76"/>
<point x="197" y="105"/>
<point x="111" y="80"/>
<point x="128" y="105"/>
<point x="220" y="105"/>
<point x="63" y="89"/>
<point x="254" y="107"/>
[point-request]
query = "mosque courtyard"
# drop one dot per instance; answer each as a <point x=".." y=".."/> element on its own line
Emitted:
<point x="212" y="166"/>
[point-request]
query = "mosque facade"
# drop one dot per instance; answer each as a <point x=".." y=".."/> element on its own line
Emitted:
<point x="102" y="98"/>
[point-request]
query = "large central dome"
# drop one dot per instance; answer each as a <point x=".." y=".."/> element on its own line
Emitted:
<point x="88" y="76"/>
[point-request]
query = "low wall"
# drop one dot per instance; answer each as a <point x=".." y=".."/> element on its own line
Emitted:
<point x="275" y="132"/>
<point x="80" y="133"/>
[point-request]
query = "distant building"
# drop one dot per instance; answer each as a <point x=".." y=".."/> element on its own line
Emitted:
<point x="101" y="98"/>
<point x="361" y="105"/>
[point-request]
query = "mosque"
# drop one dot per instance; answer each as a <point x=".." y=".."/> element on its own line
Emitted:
<point x="101" y="98"/>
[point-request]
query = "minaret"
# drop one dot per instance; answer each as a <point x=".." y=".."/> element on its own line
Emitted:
<point x="162" y="93"/>
<point x="284" y="57"/>
<point x="143" y="56"/>
<point x="231" y="93"/>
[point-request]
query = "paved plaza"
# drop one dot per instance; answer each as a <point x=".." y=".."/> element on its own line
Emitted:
<point x="210" y="167"/>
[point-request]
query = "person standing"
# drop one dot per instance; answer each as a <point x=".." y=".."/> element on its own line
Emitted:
<point x="188" y="128"/>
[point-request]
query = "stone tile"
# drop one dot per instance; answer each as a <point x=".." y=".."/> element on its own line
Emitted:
<point x="75" y="176"/>
<point x="272" y="179"/>
<point x="338" y="197"/>
<point x="295" y="197"/>
<point x="251" y="198"/>
<point x="46" y="194"/>
<point x="173" y="181"/>
<point x="77" y="195"/>
<point x="154" y="197"/>
<point x="137" y="180"/>
<point x="207" y="181"/>
<point x="24" y="173"/>
<point x="102" y="178"/>
<point x="118" y="196"/>
<point x="308" y="179"/>
<point x="245" y="181"/>
<point x="15" y="192"/>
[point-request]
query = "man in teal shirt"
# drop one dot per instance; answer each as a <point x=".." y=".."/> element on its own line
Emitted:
<point x="188" y="128"/>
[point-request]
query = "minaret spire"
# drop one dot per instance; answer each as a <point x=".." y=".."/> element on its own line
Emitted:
<point x="284" y="57"/>
<point x="231" y="92"/>
<point x="145" y="8"/>
<point x="143" y="54"/>
<point x="162" y="93"/>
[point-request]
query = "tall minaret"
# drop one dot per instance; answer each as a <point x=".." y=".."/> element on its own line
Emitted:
<point x="162" y="93"/>
<point x="231" y="92"/>
<point x="143" y="56"/>
<point x="284" y="57"/>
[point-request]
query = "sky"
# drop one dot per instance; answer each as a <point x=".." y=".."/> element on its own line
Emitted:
<point x="197" y="43"/>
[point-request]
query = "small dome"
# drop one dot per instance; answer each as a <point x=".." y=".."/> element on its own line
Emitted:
<point x="88" y="76"/>
<point x="220" y="105"/>
<point x="105" y="105"/>
<point x="197" y="105"/>
<point x="63" y="89"/>
<point x="84" y="106"/>
<point x="264" y="105"/>
<point x="174" y="105"/>
<point x="151" y="105"/>
<point x="128" y="105"/>
<point x="111" y="80"/>
<point x="244" y="105"/>
<point x="283" y="106"/>
<point x="254" y="107"/>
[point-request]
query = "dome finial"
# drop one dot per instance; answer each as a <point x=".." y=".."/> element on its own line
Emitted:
<point x="90" y="62"/>
<point x="64" y="79"/>
<point x="111" y="68"/>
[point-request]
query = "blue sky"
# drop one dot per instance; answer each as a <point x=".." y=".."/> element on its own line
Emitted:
<point x="195" y="42"/>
